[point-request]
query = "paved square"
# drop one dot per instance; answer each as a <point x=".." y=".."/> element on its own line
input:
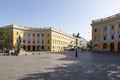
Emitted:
<point x="61" y="66"/>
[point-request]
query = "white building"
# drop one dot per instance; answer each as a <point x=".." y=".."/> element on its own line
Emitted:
<point x="81" y="42"/>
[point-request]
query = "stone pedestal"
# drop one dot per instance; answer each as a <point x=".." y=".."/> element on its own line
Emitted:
<point x="22" y="52"/>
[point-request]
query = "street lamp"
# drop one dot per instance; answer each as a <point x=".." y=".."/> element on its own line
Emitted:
<point x="76" y="52"/>
<point x="77" y="38"/>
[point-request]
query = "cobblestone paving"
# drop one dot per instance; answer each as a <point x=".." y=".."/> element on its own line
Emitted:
<point x="61" y="66"/>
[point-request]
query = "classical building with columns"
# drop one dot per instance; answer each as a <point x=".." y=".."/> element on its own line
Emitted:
<point x="37" y="39"/>
<point x="106" y="34"/>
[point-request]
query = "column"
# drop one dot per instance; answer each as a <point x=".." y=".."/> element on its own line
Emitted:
<point x="116" y="31"/>
<point x="109" y="39"/>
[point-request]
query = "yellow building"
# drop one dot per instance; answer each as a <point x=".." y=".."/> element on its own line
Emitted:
<point x="37" y="39"/>
<point x="106" y="34"/>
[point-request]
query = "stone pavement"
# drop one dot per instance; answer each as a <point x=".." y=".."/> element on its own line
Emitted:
<point x="61" y="66"/>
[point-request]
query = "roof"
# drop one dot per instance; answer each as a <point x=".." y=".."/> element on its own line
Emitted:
<point x="106" y="19"/>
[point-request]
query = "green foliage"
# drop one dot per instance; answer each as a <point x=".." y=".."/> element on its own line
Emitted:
<point x="3" y="35"/>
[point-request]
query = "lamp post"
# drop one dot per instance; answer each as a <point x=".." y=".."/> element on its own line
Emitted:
<point x="77" y="38"/>
<point x="76" y="52"/>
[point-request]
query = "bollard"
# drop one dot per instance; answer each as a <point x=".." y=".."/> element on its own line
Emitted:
<point x="39" y="53"/>
<point x="33" y="53"/>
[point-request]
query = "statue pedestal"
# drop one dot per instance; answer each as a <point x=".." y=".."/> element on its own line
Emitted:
<point x="22" y="52"/>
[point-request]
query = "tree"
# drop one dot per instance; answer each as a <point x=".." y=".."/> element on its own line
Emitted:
<point x="3" y="37"/>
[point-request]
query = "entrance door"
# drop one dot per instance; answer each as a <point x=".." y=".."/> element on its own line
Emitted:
<point x="119" y="47"/>
<point x="38" y="48"/>
<point x="105" y="46"/>
<point x="33" y="48"/>
<point x="24" y="47"/>
<point x="28" y="47"/>
<point x="112" y="47"/>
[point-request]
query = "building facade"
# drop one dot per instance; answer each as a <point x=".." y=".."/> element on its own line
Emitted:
<point x="81" y="42"/>
<point x="106" y="34"/>
<point x="37" y="39"/>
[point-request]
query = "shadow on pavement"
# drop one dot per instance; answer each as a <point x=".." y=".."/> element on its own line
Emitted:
<point x="89" y="66"/>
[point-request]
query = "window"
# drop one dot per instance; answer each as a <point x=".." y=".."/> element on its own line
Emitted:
<point x="95" y="38"/>
<point x="23" y="41"/>
<point x="33" y="42"/>
<point x="119" y="25"/>
<point x="42" y="35"/>
<point x="105" y="28"/>
<point x="119" y="36"/>
<point x="95" y="45"/>
<point x="38" y="41"/>
<point x="48" y="41"/>
<point x="104" y="37"/>
<point x="112" y="37"/>
<point x="17" y="33"/>
<point x="42" y="47"/>
<point x="42" y="42"/>
<point x="38" y="35"/>
<point x="112" y="27"/>
<point x="28" y="41"/>
<point x="28" y="34"/>
<point x="95" y="30"/>
<point x="33" y="35"/>
<point x="24" y="47"/>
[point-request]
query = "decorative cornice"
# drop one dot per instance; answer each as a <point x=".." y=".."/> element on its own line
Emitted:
<point x="106" y="20"/>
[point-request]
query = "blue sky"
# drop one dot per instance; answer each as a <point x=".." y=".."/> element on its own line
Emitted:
<point x="71" y="16"/>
